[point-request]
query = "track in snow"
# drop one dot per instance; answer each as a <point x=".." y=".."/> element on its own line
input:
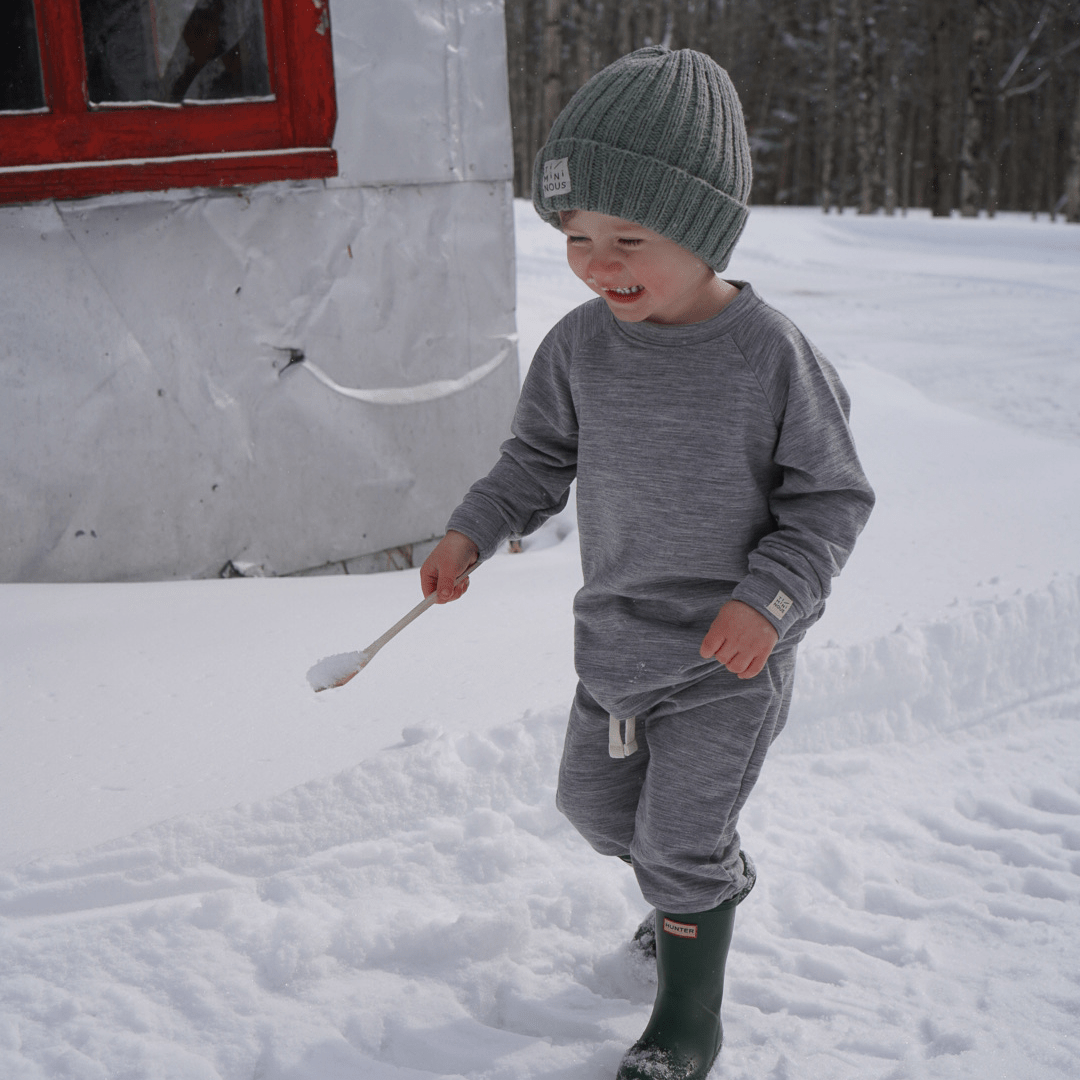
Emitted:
<point x="429" y="913"/>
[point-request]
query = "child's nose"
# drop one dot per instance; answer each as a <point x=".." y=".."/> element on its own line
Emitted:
<point x="603" y="263"/>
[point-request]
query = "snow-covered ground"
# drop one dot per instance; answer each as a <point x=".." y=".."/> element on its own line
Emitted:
<point x="207" y="871"/>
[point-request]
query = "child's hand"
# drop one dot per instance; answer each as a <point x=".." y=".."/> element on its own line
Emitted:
<point x="453" y="555"/>
<point x="740" y="638"/>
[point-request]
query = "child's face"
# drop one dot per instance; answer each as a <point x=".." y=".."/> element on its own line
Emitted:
<point x="643" y="276"/>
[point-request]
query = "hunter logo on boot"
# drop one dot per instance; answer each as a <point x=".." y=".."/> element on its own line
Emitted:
<point x="680" y="929"/>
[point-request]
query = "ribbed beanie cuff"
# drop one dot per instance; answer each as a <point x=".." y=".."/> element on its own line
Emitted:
<point x="656" y="138"/>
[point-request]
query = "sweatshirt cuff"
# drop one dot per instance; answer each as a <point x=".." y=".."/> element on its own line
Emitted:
<point x="767" y="598"/>
<point x="481" y="523"/>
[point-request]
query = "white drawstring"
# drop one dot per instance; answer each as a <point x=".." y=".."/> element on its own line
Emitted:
<point x="618" y="746"/>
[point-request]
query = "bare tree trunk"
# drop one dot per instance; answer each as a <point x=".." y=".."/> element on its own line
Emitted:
<point x="1035" y="182"/>
<point x="551" y="59"/>
<point x="687" y="34"/>
<point x="1072" y="179"/>
<point x="847" y="139"/>
<point x="521" y="71"/>
<point x="908" y="168"/>
<point x="831" y="104"/>
<point x="800" y="152"/>
<point x="993" y="177"/>
<point x="942" y="106"/>
<point x="534" y="29"/>
<point x="581" y="54"/>
<point x="1013" y="127"/>
<point x="723" y="30"/>
<point x="864" y="87"/>
<point x="1014" y="114"/>
<point x="971" y="151"/>
<point x="1049" y="149"/>
<point x="665" y="21"/>
<point x="624" y="41"/>
<point x="998" y="139"/>
<point x="894" y="29"/>
<point x="652" y="20"/>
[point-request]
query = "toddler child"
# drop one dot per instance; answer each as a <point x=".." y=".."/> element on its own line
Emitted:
<point x="718" y="493"/>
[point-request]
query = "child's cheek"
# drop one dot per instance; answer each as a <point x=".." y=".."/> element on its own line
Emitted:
<point x="577" y="263"/>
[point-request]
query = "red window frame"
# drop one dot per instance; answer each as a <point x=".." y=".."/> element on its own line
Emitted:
<point x="75" y="150"/>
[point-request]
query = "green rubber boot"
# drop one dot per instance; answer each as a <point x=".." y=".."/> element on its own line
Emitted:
<point x="643" y="945"/>
<point x="684" y="1033"/>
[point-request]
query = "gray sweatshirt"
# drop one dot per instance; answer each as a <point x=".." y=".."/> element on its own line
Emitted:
<point x="714" y="461"/>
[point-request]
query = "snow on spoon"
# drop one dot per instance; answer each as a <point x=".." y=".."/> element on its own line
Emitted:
<point x="334" y="671"/>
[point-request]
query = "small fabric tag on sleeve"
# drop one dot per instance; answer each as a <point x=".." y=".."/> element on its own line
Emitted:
<point x="780" y="605"/>
<point x="556" y="180"/>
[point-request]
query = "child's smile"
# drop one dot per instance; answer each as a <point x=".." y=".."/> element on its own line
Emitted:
<point x="643" y="276"/>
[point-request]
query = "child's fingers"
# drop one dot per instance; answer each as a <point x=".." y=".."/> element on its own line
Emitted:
<point x="724" y="651"/>
<point x="743" y="663"/>
<point x="437" y="574"/>
<point x="429" y="577"/>
<point x="738" y="662"/>
<point x="713" y="642"/>
<point x="755" y="667"/>
<point x="740" y="639"/>
<point x="453" y="555"/>
<point x="449" y="588"/>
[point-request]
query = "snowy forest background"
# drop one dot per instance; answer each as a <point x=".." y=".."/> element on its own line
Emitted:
<point x="968" y="105"/>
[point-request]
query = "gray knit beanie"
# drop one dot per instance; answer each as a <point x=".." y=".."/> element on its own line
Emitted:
<point x="656" y="138"/>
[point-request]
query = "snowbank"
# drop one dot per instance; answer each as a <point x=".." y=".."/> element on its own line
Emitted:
<point x="429" y="914"/>
<point x="952" y="672"/>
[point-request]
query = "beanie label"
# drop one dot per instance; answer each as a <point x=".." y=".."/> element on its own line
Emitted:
<point x="556" y="178"/>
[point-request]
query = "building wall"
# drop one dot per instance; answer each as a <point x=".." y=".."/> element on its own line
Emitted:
<point x="278" y="378"/>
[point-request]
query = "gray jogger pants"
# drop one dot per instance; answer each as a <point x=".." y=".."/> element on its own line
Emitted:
<point x="674" y="803"/>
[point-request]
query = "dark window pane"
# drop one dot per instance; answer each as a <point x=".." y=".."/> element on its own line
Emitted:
<point x="174" y="50"/>
<point x="20" y="65"/>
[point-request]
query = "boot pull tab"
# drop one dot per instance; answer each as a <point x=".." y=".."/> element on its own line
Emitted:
<point x="618" y="745"/>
